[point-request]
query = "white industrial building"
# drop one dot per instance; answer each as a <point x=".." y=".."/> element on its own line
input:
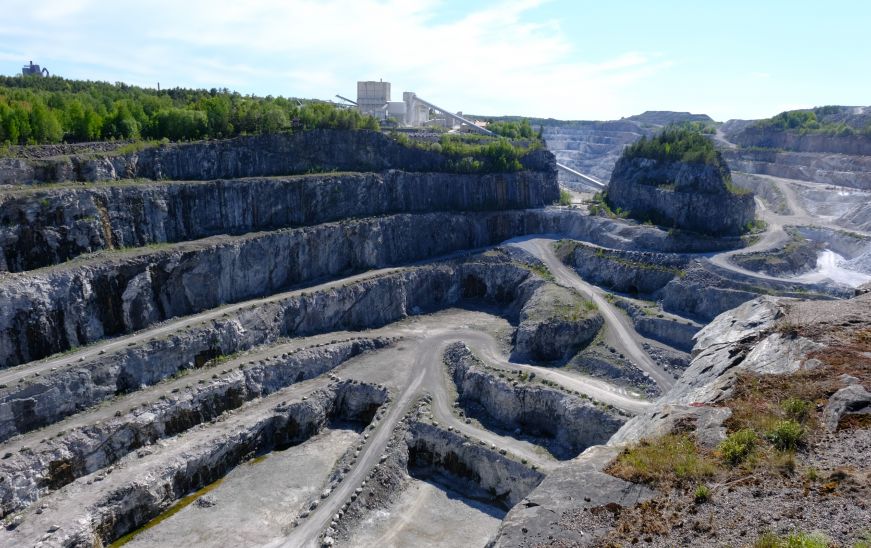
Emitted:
<point x="374" y="98"/>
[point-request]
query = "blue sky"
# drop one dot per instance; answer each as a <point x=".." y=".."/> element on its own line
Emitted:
<point x="553" y="58"/>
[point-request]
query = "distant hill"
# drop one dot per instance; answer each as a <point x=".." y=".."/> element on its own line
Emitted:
<point x="665" y="117"/>
<point x="831" y="129"/>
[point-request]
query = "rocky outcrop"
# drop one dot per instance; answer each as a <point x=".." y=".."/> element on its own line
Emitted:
<point x="582" y="485"/>
<point x="539" y="411"/>
<point x="832" y="169"/>
<point x="853" y="399"/>
<point x="433" y="450"/>
<point x="676" y="332"/>
<point x="247" y="156"/>
<point x="555" y="323"/>
<point x="795" y="141"/>
<point x="797" y="256"/>
<point x="87" y="448"/>
<point x="723" y="348"/>
<point x="689" y="196"/>
<point x="623" y="271"/>
<point x="98" y="513"/>
<point x="44" y="227"/>
<point x="706" y="291"/>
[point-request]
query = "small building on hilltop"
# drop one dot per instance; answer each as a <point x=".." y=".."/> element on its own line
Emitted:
<point x="34" y="70"/>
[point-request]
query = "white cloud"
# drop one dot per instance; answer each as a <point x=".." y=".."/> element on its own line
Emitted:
<point x="492" y="60"/>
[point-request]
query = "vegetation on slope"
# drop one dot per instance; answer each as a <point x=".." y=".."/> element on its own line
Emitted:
<point x="36" y="110"/>
<point x="468" y="153"/>
<point x="675" y="144"/>
<point x="823" y="120"/>
<point x="513" y="129"/>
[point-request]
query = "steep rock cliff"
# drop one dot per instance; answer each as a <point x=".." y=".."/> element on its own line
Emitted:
<point x="38" y="228"/>
<point x="247" y="156"/>
<point x="690" y="196"/>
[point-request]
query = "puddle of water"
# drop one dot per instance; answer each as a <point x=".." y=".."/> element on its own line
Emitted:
<point x="177" y="507"/>
<point x="830" y="266"/>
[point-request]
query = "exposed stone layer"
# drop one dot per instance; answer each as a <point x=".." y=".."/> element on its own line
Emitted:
<point x="371" y="302"/>
<point x="540" y="411"/>
<point x="832" y="169"/>
<point x="247" y="156"/>
<point x="802" y="142"/>
<point x="555" y="323"/>
<point x="686" y="195"/>
<point x="143" y="487"/>
<point x="506" y="480"/>
<point x="43" y="227"/>
<point x="48" y="311"/>
<point x="623" y="271"/>
<point x="94" y="446"/>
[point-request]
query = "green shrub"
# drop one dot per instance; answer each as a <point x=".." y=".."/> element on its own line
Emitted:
<point x="786" y="434"/>
<point x="796" y="408"/>
<point x="676" y="144"/>
<point x="565" y="197"/>
<point x="702" y="494"/>
<point x="738" y="446"/>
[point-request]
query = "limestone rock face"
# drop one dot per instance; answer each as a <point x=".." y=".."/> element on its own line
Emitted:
<point x="554" y="324"/>
<point x="509" y="480"/>
<point x="683" y="195"/>
<point x="537" y="410"/>
<point x="91" y="447"/>
<point x="625" y="271"/>
<point x="801" y="142"/>
<point x="49" y="310"/>
<point x="42" y="228"/>
<point x="371" y="302"/>
<point x="248" y="156"/>
<point x="829" y="168"/>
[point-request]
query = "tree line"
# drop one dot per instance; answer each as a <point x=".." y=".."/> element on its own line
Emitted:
<point x="36" y="110"/>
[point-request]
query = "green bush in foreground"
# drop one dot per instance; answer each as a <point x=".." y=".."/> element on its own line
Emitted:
<point x="738" y="446"/>
<point x="786" y="434"/>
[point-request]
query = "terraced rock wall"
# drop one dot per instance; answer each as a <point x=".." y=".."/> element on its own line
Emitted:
<point x="829" y="168"/>
<point x="39" y="228"/>
<point x="37" y="400"/>
<point x="70" y="305"/>
<point x="248" y="156"/>
<point x="506" y="481"/>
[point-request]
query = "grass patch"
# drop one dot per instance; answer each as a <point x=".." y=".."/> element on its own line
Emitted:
<point x="541" y="269"/>
<point x="565" y="197"/>
<point x="702" y="494"/>
<point x="599" y="206"/>
<point x="673" y="458"/>
<point x="795" y="540"/>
